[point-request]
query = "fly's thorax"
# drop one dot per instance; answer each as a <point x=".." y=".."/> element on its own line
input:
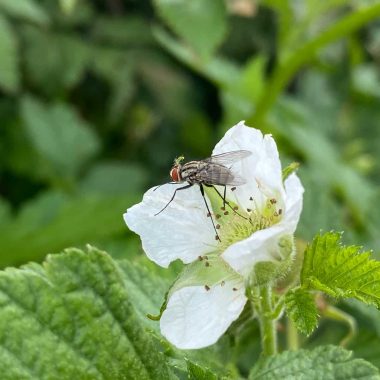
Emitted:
<point x="188" y="171"/>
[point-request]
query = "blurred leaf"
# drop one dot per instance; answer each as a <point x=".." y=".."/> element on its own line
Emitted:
<point x="75" y="318"/>
<point x="114" y="178"/>
<point x="130" y="31"/>
<point x="59" y="135"/>
<point x="54" y="221"/>
<point x="218" y="70"/>
<point x="65" y="58"/>
<point x="325" y="362"/>
<point x="366" y="79"/>
<point x="196" y="372"/>
<point x="301" y="308"/>
<point x="28" y="10"/>
<point x="194" y="20"/>
<point x="9" y="60"/>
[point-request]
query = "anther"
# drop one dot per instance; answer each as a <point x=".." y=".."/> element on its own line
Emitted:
<point x="250" y="198"/>
<point x="249" y="210"/>
<point x="208" y="215"/>
<point x="233" y="188"/>
<point x="234" y="289"/>
<point x="235" y="208"/>
<point x="222" y="208"/>
<point x="279" y="211"/>
<point x="207" y="264"/>
<point x="200" y="258"/>
<point x="217" y="216"/>
<point x="217" y="237"/>
<point x="273" y="201"/>
<point x="207" y="287"/>
<point x="222" y="283"/>
<point x="217" y="226"/>
<point x="226" y="213"/>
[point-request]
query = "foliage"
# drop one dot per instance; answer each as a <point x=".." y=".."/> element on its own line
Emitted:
<point x="325" y="362"/>
<point x="97" y="98"/>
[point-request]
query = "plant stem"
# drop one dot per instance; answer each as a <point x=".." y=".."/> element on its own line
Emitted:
<point x="267" y="323"/>
<point x="285" y="71"/>
<point x="292" y="336"/>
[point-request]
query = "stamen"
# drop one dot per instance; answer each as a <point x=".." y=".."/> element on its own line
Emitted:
<point x="222" y="283"/>
<point x="226" y="213"/>
<point x="207" y="287"/>
<point x="233" y="188"/>
<point x="207" y="264"/>
<point x="217" y="226"/>
<point x="234" y="289"/>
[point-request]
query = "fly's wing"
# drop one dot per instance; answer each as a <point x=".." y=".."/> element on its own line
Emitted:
<point x="228" y="158"/>
<point x="215" y="174"/>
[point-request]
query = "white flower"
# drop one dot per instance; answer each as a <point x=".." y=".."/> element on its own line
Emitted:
<point x="200" y="311"/>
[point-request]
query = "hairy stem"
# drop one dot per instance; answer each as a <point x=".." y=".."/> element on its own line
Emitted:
<point x="267" y="322"/>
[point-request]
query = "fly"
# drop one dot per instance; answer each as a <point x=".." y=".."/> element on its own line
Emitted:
<point x="210" y="172"/>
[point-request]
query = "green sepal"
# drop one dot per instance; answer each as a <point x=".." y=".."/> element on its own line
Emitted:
<point x="291" y="168"/>
<point x="269" y="272"/>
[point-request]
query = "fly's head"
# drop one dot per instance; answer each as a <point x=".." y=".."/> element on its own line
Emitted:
<point x="175" y="172"/>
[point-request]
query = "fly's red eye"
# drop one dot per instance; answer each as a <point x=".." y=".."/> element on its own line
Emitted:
<point x="174" y="174"/>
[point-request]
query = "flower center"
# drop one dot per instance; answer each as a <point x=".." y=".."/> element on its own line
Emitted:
<point x="240" y="225"/>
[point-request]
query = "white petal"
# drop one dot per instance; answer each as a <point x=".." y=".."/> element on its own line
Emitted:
<point x="182" y="231"/>
<point x="261" y="170"/>
<point x="196" y="317"/>
<point x="262" y="245"/>
<point x="293" y="202"/>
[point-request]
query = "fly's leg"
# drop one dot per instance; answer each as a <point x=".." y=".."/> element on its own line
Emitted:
<point x="208" y="210"/>
<point x="225" y="202"/>
<point x="173" y="196"/>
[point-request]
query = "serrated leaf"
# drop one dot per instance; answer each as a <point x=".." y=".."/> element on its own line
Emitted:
<point x="200" y="23"/>
<point x="301" y="309"/>
<point x="25" y="9"/>
<point x="325" y="362"/>
<point x="341" y="271"/>
<point x="72" y="318"/>
<point x="59" y="135"/>
<point x="9" y="71"/>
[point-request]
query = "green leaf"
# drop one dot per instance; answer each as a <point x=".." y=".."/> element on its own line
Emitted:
<point x="113" y="177"/>
<point x="341" y="271"/>
<point x="325" y="362"/>
<point x="9" y="72"/>
<point x="196" y="372"/>
<point x="54" y="221"/>
<point x="59" y="135"/>
<point x="200" y="23"/>
<point x="72" y="318"/>
<point x="65" y="59"/>
<point x="301" y="309"/>
<point x="25" y="9"/>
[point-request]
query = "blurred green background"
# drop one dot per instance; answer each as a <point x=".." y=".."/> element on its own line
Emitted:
<point x="98" y="97"/>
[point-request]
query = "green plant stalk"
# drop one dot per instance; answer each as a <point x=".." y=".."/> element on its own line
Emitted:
<point x="285" y="71"/>
<point x="292" y="339"/>
<point x="267" y="322"/>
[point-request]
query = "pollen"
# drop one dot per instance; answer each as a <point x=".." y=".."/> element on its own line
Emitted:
<point x="235" y="228"/>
